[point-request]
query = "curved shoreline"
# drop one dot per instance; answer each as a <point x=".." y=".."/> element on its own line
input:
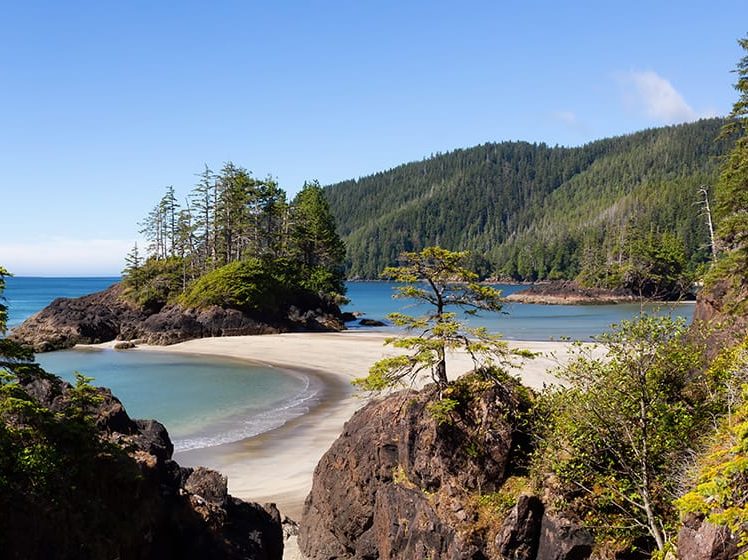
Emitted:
<point x="277" y="465"/>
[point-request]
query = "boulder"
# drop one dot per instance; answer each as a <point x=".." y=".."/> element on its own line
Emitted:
<point x="519" y="535"/>
<point x="700" y="540"/>
<point x="562" y="539"/>
<point x="396" y="482"/>
<point x="371" y="323"/>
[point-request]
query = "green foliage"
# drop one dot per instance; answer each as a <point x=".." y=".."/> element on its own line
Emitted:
<point x="651" y="266"/>
<point x="721" y="480"/>
<point x="732" y="204"/>
<point x="530" y="210"/>
<point x="3" y="308"/>
<point x="155" y="283"/>
<point x="315" y="242"/>
<point x="230" y="218"/>
<point x="441" y="411"/>
<point x="631" y="411"/>
<point x="436" y="276"/>
<point x="250" y="285"/>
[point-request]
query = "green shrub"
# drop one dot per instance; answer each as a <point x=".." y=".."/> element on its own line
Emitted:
<point x="155" y="283"/>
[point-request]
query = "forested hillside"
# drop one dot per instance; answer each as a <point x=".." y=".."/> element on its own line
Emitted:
<point x="533" y="212"/>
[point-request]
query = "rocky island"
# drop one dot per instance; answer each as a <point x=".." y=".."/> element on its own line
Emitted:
<point x="107" y="315"/>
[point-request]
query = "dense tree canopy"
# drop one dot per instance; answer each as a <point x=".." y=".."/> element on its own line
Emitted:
<point x="534" y="212"/>
<point x="231" y="217"/>
<point x="732" y="200"/>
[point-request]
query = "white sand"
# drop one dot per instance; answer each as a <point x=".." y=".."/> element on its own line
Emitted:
<point x="277" y="466"/>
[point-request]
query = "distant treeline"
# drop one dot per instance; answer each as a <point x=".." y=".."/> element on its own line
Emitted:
<point x="533" y="212"/>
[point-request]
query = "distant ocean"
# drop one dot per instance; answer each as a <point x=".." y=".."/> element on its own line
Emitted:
<point x="209" y="401"/>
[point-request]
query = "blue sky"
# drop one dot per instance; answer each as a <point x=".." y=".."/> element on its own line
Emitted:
<point x="103" y="104"/>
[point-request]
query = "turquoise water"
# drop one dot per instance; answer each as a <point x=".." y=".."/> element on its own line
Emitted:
<point x="518" y="321"/>
<point x="202" y="401"/>
<point x="209" y="401"/>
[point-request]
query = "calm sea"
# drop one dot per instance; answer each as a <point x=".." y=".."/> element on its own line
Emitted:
<point x="205" y="402"/>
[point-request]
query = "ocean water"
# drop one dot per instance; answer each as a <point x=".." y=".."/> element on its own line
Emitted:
<point x="210" y="401"/>
<point x="517" y="321"/>
<point x="202" y="401"/>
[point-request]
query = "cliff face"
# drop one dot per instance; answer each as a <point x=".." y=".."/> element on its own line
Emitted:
<point x="105" y="316"/>
<point x="121" y="495"/>
<point x="399" y="484"/>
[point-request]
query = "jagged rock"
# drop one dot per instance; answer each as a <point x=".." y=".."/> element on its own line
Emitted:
<point x="700" y="540"/>
<point x="129" y="499"/>
<point x="371" y="323"/>
<point x="561" y="539"/>
<point x="209" y="485"/>
<point x="395" y="482"/>
<point x="519" y="535"/>
<point x="106" y="316"/>
<point x="127" y="345"/>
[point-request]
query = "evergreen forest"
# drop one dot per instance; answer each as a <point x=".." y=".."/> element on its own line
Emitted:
<point x="611" y="213"/>
<point x="236" y="241"/>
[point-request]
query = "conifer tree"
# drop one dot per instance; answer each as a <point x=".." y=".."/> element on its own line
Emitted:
<point x="437" y="277"/>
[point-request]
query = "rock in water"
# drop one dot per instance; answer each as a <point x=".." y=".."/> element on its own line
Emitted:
<point x="121" y="494"/>
<point x="106" y="316"/>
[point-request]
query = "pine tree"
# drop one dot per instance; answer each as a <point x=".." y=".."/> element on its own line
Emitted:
<point x="313" y="238"/>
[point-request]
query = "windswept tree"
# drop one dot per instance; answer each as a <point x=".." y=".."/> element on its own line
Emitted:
<point x="436" y="277"/>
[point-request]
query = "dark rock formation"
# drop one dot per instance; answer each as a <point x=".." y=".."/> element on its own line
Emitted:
<point x="519" y="535"/>
<point x="371" y="323"/>
<point x="700" y="540"/>
<point x="568" y="292"/>
<point x="124" y="496"/>
<point x="105" y="316"/>
<point x="713" y="305"/>
<point x="561" y="539"/>
<point x="397" y="484"/>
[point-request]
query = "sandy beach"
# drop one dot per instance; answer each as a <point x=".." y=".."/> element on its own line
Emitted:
<point x="277" y="466"/>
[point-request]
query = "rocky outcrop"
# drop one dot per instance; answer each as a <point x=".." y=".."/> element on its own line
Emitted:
<point x="700" y="540"/>
<point x="106" y="316"/>
<point x="124" y="497"/>
<point x="568" y="292"/>
<point x="519" y="535"/>
<point x="402" y="482"/>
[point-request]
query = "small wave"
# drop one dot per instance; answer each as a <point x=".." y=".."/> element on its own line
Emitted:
<point x="239" y="427"/>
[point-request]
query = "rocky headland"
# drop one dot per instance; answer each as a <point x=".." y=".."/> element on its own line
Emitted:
<point x="108" y="487"/>
<point x="105" y="316"/>
<point x="568" y="292"/>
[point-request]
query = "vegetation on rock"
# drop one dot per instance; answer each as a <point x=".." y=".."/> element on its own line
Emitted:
<point x="437" y="277"/>
<point x="80" y="479"/>
<point x="624" y="421"/>
<point x="721" y="480"/>
<point x="235" y="228"/>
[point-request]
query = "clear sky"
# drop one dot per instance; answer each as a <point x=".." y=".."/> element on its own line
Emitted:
<point x="103" y="104"/>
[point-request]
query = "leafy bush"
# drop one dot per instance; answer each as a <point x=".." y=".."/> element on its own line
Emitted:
<point x="631" y="412"/>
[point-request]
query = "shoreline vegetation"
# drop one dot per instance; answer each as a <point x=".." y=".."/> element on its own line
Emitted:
<point x="277" y="466"/>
